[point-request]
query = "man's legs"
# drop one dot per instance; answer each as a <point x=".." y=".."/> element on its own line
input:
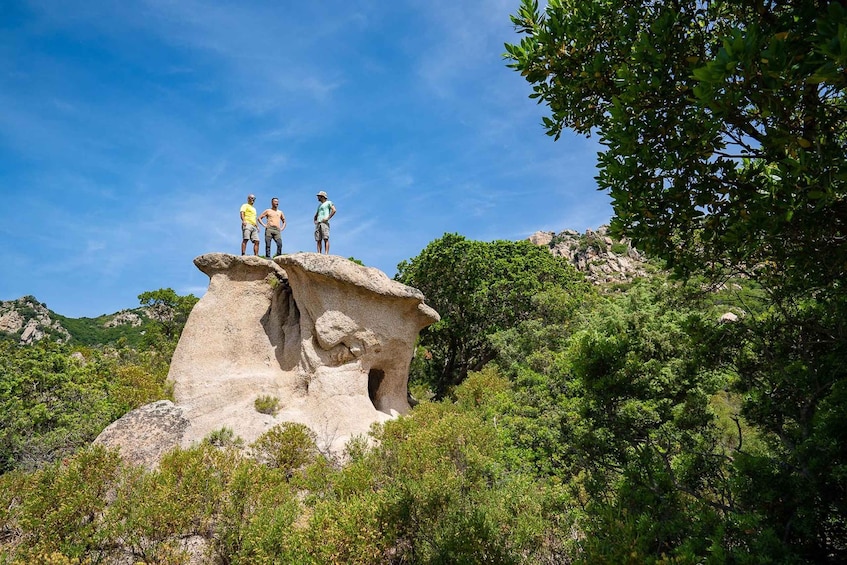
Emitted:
<point x="322" y="234"/>
<point x="278" y="241"/>
<point x="243" y="246"/>
<point x="268" y="243"/>
<point x="254" y="237"/>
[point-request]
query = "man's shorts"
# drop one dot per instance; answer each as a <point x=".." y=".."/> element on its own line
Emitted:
<point x="321" y="231"/>
<point x="250" y="232"/>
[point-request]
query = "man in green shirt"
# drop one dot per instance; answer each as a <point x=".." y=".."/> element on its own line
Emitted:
<point x="326" y="210"/>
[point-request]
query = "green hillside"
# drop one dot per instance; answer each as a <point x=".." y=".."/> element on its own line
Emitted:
<point x="692" y="414"/>
<point x="96" y="331"/>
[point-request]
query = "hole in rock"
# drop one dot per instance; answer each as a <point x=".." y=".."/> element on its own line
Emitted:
<point x="375" y="378"/>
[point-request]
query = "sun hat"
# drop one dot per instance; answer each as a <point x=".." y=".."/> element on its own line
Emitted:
<point x="322" y="193"/>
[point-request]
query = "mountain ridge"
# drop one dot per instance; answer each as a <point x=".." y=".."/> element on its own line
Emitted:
<point x="26" y="320"/>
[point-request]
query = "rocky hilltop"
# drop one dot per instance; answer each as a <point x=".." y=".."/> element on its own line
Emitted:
<point x="602" y="258"/>
<point x="28" y="320"/>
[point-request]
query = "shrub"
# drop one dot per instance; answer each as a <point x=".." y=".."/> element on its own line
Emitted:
<point x="267" y="405"/>
<point x="288" y="447"/>
<point x="620" y="248"/>
<point x="61" y="507"/>
<point x="224" y="437"/>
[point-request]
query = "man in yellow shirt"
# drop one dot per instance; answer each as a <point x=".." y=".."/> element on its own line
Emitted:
<point x="249" y="229"/>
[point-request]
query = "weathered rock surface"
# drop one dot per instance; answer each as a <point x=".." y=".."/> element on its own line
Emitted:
<point x="144" y="435"/>
<point x="330" y="339"/>
<point x="595" y="253"/>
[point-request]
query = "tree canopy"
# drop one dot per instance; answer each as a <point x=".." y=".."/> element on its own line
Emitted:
<point x="168" y="310"/>
<point x="725" y="131"/>
<point x="479" y="288"/>
<point x="724" y="124"/>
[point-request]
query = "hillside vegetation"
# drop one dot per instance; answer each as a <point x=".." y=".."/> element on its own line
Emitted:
<point x="697" y="415"/>
<point x="594" y="423"/>
<point x="27" y="321"/>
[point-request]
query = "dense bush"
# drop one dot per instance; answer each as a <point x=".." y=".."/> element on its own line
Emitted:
<point x="54" y="400"/>
<point x="430" y="488"/>
<point x="478" y="288"/>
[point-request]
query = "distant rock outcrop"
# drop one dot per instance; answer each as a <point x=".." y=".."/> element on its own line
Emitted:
<point x="331" y="340"/>
<point x="595" y="253"/>
<point x="123" y="318"/>
<point x="29" y="320"/>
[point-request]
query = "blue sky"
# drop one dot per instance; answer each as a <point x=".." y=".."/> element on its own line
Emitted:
<point x="132" y="131"/>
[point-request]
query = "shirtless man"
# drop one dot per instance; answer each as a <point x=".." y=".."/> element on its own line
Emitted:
<point x="273" y="227"/>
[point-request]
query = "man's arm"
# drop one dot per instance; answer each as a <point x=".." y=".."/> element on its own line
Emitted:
<point x="243" y="221"/>
<point x="264" y="215"/>
<point x="281" y="221"/>
<point x="331" y="212"/>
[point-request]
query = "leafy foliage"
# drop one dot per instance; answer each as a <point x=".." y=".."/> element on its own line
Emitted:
<point x="479" y="288"/>
<point x="725" y="153"/>
<point x="288" y="447"/>
<point x="169" y="312"/>
<point x="430" y="489"/>
<point x="51" y="402"/>
<point x="725" y="140"/>
<point x="792" y="376"/>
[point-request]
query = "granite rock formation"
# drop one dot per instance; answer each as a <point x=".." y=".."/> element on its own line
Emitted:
<point x="330" y="339"/>
<point x="149" y="432"/>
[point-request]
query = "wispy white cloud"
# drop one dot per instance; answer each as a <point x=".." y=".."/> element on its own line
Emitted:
<point x="139" y="128"/>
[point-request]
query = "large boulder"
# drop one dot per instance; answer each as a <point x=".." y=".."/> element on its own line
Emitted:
<point x="144" y="435"/>
<point x="330" y="339"/>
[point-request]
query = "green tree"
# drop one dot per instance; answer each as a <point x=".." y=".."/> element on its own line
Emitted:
<point x="725" y="131"/>
<point x="616" y="404"/>
<point x="479" y="288"/>
<point x="168" y="310"/>
<point x="724" y="122"/>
